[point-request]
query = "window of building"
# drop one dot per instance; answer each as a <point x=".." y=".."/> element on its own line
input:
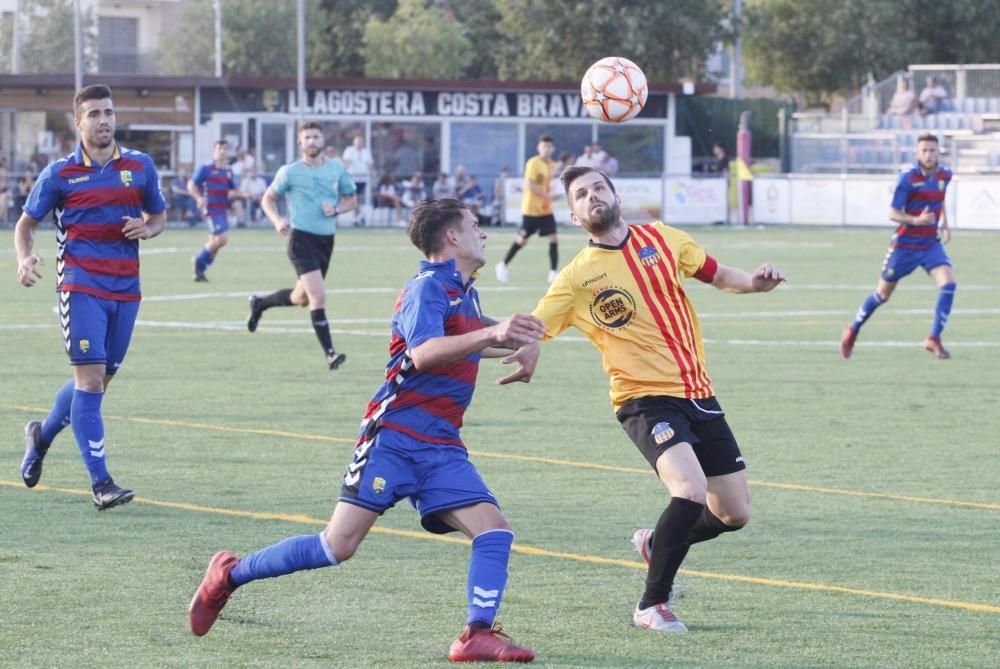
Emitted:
<point x="637" y="148"/>
<point x="483" y="148"/>
<point x="119" y="44"/>
<point x="400" y="149"/>
<point x="568" y="139"/>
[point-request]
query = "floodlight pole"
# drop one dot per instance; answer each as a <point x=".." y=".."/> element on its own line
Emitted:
<point x="15" y="45"/>
<point x="301" y="37"/>
<point x="77" y="47"/>
<point x="218" y="37"/>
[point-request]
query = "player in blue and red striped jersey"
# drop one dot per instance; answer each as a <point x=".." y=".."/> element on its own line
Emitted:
<point x="105" y="198"/>
<point x="409" y="444"/>
<point x="918" y="207"/>
<point x="212" y="186"/>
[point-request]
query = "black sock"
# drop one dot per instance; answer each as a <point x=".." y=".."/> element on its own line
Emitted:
<point x="322" y="328"/>
<point x="554" y="255"/>
<point x="279" y="298"/>
<point x="511" y="252"/>
<point x="670" y="545"/>
<point x="708" y="526"/>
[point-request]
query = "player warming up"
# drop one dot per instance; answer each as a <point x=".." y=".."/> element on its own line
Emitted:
<point x="105" y="198"/>
<point x="625" y="293"/>
<point x="409" y="444"/>
<point x="918" y="207"/>
<point x="212" y="187"/>
<point x="319" y="189"/>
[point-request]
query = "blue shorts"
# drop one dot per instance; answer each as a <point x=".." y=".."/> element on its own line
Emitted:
<point x="217" y="225"/>
<point x="96" y="330"/>
<point x="435" y="478"/>
<point x="900" y="262"/>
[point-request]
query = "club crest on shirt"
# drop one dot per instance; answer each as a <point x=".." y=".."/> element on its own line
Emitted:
<point x="649" y="256"/>
<point x="378" y="485"/>
<point x="126" y="176"/>
<point x="612" y="308"/>
<point x="662" y="432"/>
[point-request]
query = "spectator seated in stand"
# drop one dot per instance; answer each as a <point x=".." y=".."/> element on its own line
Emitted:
<point x="442" y="187"/>
<point x="904" y="101"/>
<point x="183" y="205"/>
<point x="415" y="191"/>
<point x="388" y="196"/>
<point x="934" y="98"/>
<point x="254" y="186"/>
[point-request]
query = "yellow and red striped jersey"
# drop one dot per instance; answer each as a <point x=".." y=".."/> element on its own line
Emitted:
<point x="630" y="302"/>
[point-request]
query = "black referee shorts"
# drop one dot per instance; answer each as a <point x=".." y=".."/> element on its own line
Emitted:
<point x="309" y="252"/>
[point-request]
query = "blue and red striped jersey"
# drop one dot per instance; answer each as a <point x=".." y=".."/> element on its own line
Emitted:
<point x="215" y="183"/>
<point x="428" y="405"/>
<point x="90" y="202"/>
<point x="914" y="191"/>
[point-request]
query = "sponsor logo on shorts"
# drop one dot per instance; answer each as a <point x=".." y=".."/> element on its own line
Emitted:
<point x="662" y="432"/>
<point x="378" y="485"/>
<point x="84" y="345"/>
<point x="612" y="308"/>
<point x="739" y="458"/>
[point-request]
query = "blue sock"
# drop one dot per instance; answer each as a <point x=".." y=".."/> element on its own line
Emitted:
<point x="88" y="428"/>
<point x="943" y="308"/>
<point x="203" y="260"/>
<point x="309" y="551"/>
<point x="488" y="574"/>
<point x="58" y="417"/>
<point x="867" y="308"/>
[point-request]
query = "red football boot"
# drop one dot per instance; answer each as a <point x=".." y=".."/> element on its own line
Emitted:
<point x="212" y="594"/>
<point x="933" y="344"/>
<point x="847" y="341"/>
<point x="488" y="645"/>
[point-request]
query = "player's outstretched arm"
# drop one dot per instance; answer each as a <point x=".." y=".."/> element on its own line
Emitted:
<point x="512" y="333"/>
<point x="24" y="242"/>
<point x="734" y="280"/>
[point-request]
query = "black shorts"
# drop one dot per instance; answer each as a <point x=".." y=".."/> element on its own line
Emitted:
<point x="309" y="252"/>
<point x="657" y="423"/>
<point x="543" y="225"/>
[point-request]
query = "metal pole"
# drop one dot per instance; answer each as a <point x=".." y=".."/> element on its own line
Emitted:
<point x="15" y="47"/>
<point x="77" y="46"/>
<point x="301" y="30"/>
<point x="735" y="64"/>
<point x="218" y="38"/>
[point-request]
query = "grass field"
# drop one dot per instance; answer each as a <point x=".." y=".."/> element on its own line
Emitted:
<point x="876" y="533"/>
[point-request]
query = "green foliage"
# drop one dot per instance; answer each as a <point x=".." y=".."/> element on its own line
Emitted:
<point x="417" y="41"/>
<point x="191" y="49"/>
<point x="823" y="48"/>
<point x="51" y="25"/>
<point x="6" y="41"/>
<point x="336" y="34"/>
<point x="668" y="39"/>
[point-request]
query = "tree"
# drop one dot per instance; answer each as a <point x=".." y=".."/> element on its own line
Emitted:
<point x="46" y="24"/>
<point x="335" y="43"/>
<point x="669" y="39"/>
<point x="417" y="41"/>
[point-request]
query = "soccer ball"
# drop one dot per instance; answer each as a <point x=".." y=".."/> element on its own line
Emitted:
<point x="614" y="89"/>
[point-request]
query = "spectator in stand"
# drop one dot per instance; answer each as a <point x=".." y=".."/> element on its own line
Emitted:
<point x="415" y="191"/>
<point x="4" y="191"/>
<point x="388" y="196"/>
<point x="500" y="195"/>
<point x="254" y="186"/>
<point x="609" y="165"/>
<point x="719" y="163"/>
<point x="361" y="166"/>
<point x="459" y="181"/>
<point x="598" y="155"/>
<point x="443" y="188"/>
<point x="566" y="159"/>
<point x="25" y="183"/>
<point x="586" y="158"/>
<point x="933" y="98"/>
<point x="904" y="101"/>
<point x="244" y="161"/>
<point x="473" y="196"/>
<point x="181" y="201"/>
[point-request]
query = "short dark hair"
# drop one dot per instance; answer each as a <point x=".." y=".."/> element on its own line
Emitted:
<point x="430" y="219"/>
<point x="310" y="125"/>
<point x="94" y="92"/>
<point x="220" y="142"/>
<point x="546" y="138"/>
<point x="927" y="137"/>
<point x="571" y="174"/>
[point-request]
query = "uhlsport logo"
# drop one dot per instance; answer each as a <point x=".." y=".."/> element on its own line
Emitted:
<point x="126" y="176"/>
<point x="612" y="308"/>
<point x="662" y="432"/>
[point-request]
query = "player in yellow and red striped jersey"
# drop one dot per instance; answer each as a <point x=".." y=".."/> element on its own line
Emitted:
<point x="625" y="292"/>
